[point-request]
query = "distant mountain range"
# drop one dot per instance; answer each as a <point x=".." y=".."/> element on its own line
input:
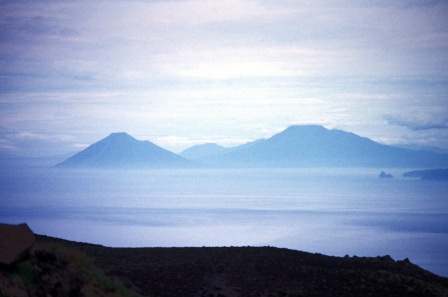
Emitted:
<point x="316" y="146"/>
<point x="202" y="151"/>
<point x="297" y="146"/>
<point x="206" y="150"/>
<point x="120" y="150"/>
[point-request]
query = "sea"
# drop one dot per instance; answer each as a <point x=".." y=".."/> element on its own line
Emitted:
<point x="343" y="211"/>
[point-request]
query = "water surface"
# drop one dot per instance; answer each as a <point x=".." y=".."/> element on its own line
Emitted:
<point x="329" y="211"/>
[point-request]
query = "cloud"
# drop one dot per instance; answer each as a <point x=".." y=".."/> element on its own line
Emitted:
<point x="29" y="143"/>
<point x="37" y="26"/>
<point x="22" y="25"/>
<point x="122" y="46"/>
<point x="6" y="145"/>
<point x="419" y="121"/>
<point x="182" y="71"/>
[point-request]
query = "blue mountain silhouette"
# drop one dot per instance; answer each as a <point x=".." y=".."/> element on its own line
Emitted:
<point x="297" y="146"/>
<point x="120" y="150"/>
<point x="203" y="150"/>
<point x="316" y="146"/>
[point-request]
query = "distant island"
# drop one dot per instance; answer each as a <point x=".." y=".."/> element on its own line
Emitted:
<point x="428" y="174"/>
<point x="385" y="175"/>
<point x="295" y="147"/>
<point x="120" y="151"/>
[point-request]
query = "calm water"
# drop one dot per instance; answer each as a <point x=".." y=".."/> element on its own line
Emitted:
<point x="334" y="211"/>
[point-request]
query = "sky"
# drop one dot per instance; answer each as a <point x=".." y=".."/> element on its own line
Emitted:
<point x="186" y="72"/>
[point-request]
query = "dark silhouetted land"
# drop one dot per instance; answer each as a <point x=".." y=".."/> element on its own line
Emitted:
<point x="259" y="271"/>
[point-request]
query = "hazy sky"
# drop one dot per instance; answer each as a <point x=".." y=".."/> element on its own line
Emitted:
<point x="185" y="72"/>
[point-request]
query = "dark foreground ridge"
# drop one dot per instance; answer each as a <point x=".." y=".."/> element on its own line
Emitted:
<point x="34" y="269"/>
<point x="258" y="271"/>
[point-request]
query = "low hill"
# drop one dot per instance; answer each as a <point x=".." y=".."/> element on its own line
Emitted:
<point x="259" y="271"/>
<point x="316" y="146"/>
<point x="120" y="150"/>
<point x="203" y="151"/>
<point x="207" y="150"/>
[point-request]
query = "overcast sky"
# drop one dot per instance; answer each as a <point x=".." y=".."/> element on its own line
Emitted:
<point x="185" y="72"/>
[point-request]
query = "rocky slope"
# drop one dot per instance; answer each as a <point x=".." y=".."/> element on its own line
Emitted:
<point x="259" y="271"/>
<point x="30" y="269"/>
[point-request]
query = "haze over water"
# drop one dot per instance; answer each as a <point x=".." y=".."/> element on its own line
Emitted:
<point x="330" y="211"/>
<point x="187" y="72"/>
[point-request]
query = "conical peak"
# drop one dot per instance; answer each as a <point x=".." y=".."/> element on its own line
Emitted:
<point x="121" y="150"/>
<point x="120" y="134"/>
<point x="300" y="128"/>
